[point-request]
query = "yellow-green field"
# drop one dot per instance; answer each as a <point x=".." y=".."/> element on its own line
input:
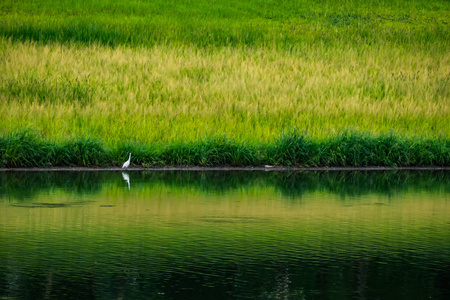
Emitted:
<point x="172" y="93"/>
<point x="122" y="77"/>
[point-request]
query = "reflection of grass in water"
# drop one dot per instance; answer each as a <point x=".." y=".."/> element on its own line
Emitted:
<point x="114" y="245"/>
<point x="24" y="186"/>
<point x="169" y="226"/>
<point x="351" y="184"/>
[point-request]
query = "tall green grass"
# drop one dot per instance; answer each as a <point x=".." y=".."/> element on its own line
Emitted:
<point x="251" y="23"/>
<point x="216" y="82"/>
<point x="176" y="94"/>
<point x="26" y="148"/>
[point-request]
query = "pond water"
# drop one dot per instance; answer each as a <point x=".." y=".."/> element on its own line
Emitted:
<point x="225" y="235"/>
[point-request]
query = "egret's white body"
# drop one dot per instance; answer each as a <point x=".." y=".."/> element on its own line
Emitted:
<point x="127" y="163"/>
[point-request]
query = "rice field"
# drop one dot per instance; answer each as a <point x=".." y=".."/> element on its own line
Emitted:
<point x="172" y="75"/>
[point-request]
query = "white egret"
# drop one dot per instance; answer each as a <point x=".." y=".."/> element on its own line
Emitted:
<point x="127" y="163"/>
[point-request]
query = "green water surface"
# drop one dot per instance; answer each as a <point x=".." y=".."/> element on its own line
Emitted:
<point x="225" y="235"/>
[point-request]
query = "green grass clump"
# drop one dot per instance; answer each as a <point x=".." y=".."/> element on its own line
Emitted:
<point x="24" y="149"/>
<point x="357" y="149"/>
<point x="292" y="149"/>
<point x="211" y="151"/>
<point x="27" y="148"/>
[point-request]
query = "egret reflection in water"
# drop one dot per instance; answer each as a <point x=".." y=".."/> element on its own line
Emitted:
<point x="126" y="177"/>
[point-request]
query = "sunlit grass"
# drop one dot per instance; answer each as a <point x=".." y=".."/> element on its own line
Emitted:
<point x="205" y="23"/>
<point x="132" y="74"/>
<point x="184" y="93"/>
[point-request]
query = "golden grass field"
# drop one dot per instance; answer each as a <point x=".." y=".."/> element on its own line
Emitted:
<point x="168" y="93"/>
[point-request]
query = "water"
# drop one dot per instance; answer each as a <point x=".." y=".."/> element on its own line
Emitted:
<point x="224" y="235"/>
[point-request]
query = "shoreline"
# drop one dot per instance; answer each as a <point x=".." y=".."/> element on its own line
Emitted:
<point x="27" y="148"/>
<point x="224" y="169"/>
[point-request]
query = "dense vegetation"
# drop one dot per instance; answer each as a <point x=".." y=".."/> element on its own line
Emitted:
<point x="215" y="23"/>
<point x="309" y="83"/>
<point x="28" y="149"/>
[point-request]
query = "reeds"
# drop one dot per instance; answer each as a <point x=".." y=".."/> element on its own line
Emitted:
<point x="26" y="148"/>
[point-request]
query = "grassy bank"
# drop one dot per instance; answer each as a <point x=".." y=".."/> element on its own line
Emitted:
<point x="28" y="149"/>
<point x="163" y="75"/>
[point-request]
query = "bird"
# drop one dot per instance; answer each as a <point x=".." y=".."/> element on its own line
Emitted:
<point x="127" y="163"/>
